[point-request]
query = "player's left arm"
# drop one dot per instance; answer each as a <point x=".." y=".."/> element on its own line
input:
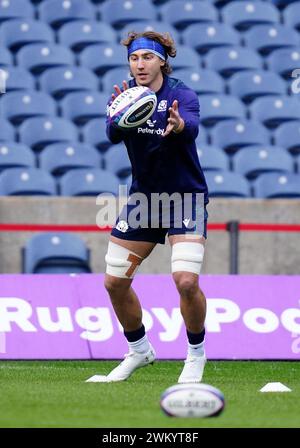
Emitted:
<point x="184" y="115"/>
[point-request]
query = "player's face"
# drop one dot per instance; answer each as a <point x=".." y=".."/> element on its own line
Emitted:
<point x="146" y="69"/>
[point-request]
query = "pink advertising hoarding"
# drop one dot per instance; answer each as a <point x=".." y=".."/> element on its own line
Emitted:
<point x="70" y="317"/>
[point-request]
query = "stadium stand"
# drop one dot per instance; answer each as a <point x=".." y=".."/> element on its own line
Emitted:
<point x="7" y="131"/>
<point x="88" y="182"/>
<point x="203" y="81"/>
<point x="18" y="106"/>
<point x="103" y="57"/>
<point x="186" y="58"/>
<point x="267" y="38"/>
<point x="274" y="185"/>
<point x="83" y="106"/>
<point x="212" y="158"/>
<point x="274" y="111"/>
<point x="94" y="132"/>
<point x="116" y="161"/>
<point x="227" y="184"/>
<point x="291" y="16"/>
<point x="5" y="57"/>
<point x="59" y="12"/>
<point x="14" y="34"/>
<point x="288" y="136"/>
<point x="16" y="9"/>
<point x="220" y="107"/>
<point x="160" y="26"/>
<point x="27" y="182"/>
<point x="204" y="37"/>
<point x="39" y="57"/>
<point x="182" y="13"/>
<point x="243" y="15"/>
<point x="16" y="155"/>
<point x="18" y="78"/>
<point x="51" y="253"/>
<point x="202" y="137"/>
<point x="284" y="61"/>
<point x="121" y="12"/>
<point x="114" y="76"/>
<point x="82" y="34"/>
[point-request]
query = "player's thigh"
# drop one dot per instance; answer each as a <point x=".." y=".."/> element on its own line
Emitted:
<point x="141" y="248"/>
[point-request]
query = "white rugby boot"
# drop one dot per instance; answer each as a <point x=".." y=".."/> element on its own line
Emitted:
<point x="193" y="369"/>
<point x="132" y="361"/>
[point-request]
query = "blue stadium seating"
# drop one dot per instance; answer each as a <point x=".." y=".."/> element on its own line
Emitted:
<point x="202" y="81"/>
<point x="283" y="3"/>
<point x="202" y="137"/>
<point x="243" y="15"/>
<point x="220" y="107"/>
<point x="212" y="158"/>
<point x="277" y="185"/>
<point x="235" y="134"/>
<point x="17" y="78"/>
<point x="255" y="160"/>
<point x="288" y="136"/>
<point x="204" y="37"/>
<point x="15" y="9"/>
<point x="103" y="57"/>
<point x="39" y="57"/>
<point x="267" y="38"/>
<point x="15" y="155"/>
<point x="94" y="133"/>
<point x="63" y="80"/>
<point x="250" y="85"/>
<point x="116" y="161"/>
<point x="121" y="12"/>
<point x="284" y="61"/>
<point x="18" y="106"/>
<point x="83" y="106"/>
<point x="62" y="157"/>
<point x="58" y="12"/>
<point x="227" y="184"/>
<point x="186" y="57"/>
<point x="55" y="253"/>
<point x="160" y="27"/>
<point x="228" y="61"/>
<point x="291" y="15"/>
<point x="79" y="35"/>
<point x="5" y="57"/>
<point x="181" y="13"/>
<point x="15" y="34"/>
<point x="298" y="164"/>
<point x="88" y="182"/>
<point x="272" y="111"/>
<point x="42" y="131"/>
<point x="7" y="131"/>
<point x="114" y="76"/>
<point x="26" y="182"/>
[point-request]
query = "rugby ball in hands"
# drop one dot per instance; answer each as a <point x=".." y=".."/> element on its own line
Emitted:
<point x="133" y="107"/>
<point x="192" y="400"/>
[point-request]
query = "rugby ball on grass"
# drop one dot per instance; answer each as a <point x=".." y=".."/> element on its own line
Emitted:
<point x="133" y="107"/>
<point x="192" y="400"/>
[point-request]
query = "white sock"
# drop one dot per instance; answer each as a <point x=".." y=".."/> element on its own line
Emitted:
<point x="140" y="346"/>
<point x="196" y="350"/>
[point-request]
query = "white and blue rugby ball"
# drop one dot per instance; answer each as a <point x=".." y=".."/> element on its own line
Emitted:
<point x="192" y="400"/>
<point x="133" y="107"/>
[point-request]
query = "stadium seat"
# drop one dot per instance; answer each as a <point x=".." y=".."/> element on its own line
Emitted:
<point x="291" y="16"/>
<point x="212" y="158"/>
<point x="202" y="81"/>
<point x="160" y="27"/>
<point x="227" y="184"/>
<point x="283" y="3"/>
<point x="15" y="34"/>
<point x="277" y="185"/>
<point x="121" y="12"/>
<point x="103" y="57"/>
<point x="204" y="37"/>
<point x="17" y="78"/>
<point x="15" y="9"/>
<point x="228" y="61"/>
<point x="255" y="160"/>
<point x="185" y="58"/>
<point x="27" y="182"/>
<point x="7" y="131"/>
<point x="61" y="80"/>
<point x="83" y="106"/>
<point x="235" y="134"/>
<point x="272" y="111"/>
<point x="243" y="15"/>
<point x="116" y="161"/>
<point x="202" y="137"/>
<point x="250" y="85"/>
<point x="220" y="107"/>
<point x="58" y="12"/>
<point x="40" y="132"/>
<point x="288" y="136"/>
<point x="298" y="164"/>
<point x="62" y="157"/>
<point x="15" y="155"/>
<point x="55" y="253"/>
<point x="79" y="35"/>
<point x="39" y="57"/>
<point x="181" y="13"/>
<point x="267" y="38"/>
<point x="284" y="61"/>
<point x="5" y="57"/>
<point x="88" y="182"/>
<point x="94" y="133"/>
<point x="114" y="76"/>
<point x="18" y="106"/>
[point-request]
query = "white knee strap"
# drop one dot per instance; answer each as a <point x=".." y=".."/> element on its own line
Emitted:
<point x="121" y="262"/>
<point x="187" y="256"/>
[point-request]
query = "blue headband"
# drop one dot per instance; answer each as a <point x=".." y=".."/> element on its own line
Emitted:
<point x="144" y="43"/>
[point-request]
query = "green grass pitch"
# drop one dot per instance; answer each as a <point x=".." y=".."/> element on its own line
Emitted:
<point x="35" y="394"/>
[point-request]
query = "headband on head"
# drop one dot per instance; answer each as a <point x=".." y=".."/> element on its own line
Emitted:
<point x="144" y="43"/>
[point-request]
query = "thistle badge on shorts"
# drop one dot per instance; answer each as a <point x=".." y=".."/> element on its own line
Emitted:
<point x="122" y="226"/>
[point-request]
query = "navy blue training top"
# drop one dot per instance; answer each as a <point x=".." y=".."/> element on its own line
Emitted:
<point x="164" y="164"/>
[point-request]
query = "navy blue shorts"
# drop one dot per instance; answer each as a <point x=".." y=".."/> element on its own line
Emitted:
<point x="154" y="227"/>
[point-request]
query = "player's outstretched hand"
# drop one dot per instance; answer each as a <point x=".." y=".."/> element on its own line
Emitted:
<point x="118" y="90"/>
<point x="175" y="122"/>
